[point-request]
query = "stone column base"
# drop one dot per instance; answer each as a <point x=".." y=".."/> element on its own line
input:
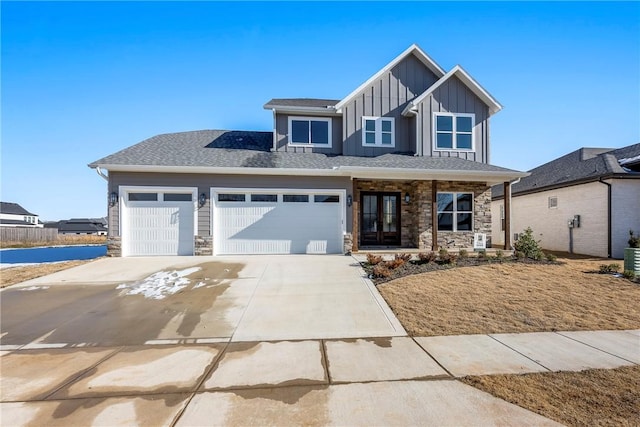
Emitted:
<point x="114" y="246"/>
<point x="203" y="246"/>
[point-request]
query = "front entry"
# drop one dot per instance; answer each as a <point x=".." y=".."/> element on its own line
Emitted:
<point x="380" y="219"/>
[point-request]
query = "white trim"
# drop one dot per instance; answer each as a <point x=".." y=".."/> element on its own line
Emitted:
<point x="479" y="91"/>
<point x="214" y="191"/>
<point x="124" y="190"/>
<point x="309" y="119"/>
<point x="378" y="131"/>
<point x="413" y="49"/>
<point x="455" y="211"/>
<point x="454" y="132"/>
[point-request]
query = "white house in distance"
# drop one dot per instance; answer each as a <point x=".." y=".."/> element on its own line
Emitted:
<point x="14" y="215"/>
<point x="585" y="202"/>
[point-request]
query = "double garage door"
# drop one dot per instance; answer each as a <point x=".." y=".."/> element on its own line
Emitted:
<point x="242" y="221"/>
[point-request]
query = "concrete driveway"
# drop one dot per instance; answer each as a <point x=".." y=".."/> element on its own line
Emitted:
<point x="135" y="301"/>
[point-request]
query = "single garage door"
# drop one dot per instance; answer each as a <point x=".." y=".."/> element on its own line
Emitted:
<point x="278" y="222"/>
<point x="158" y="223"/>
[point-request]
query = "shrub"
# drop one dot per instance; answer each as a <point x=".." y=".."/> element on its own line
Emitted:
<point x="381" y="271"/>
<point x="629" y="274"/>
<point x="519" y="254"/>
<point x="374" y="259"/>
<point x="608" y="268"/>
<point x="551" y="257"/>
<point x="499" y="254"/>
<point x="426" y="257"/>
<point x="634" y="241"/>
<point x="405" y="257"/>
<point x="463" y="254"/>
<point x="395" y="263"/>
<point x="445" y="257"/>
<point x="529" y="246"/>
<point x="482" y="254"/>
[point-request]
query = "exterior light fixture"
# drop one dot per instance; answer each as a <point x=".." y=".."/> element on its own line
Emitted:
<point x="407" y="198"/>
<point x="202" y="199"/>
<point x="113" y="199"/>
<point x="349" y="200"/>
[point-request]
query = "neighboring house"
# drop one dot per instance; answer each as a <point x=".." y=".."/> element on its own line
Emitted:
<point x="402" y="161"/>
<point x="600" y="185"/>
<point x="97" y="226"/>
<point x="14" y="215"/>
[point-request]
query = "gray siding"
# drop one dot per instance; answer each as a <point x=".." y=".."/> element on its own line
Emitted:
<point x="387" y="97"/>
<point x="454" y="97"/>
<point x="205" y="182"/>
<point x="282" y="136"/>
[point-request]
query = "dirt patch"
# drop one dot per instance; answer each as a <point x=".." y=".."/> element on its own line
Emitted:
<point x="594" y="397"/>
<point x="514" y="297"/>
<point x="12" y="275"/>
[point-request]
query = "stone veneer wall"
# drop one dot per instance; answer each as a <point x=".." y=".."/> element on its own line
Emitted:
<point x="416" y="221"/>
<point x="203" y="245"/>
<point x="114" y="246"/>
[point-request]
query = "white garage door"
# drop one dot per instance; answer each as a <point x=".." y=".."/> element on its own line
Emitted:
<point x="277" y="222"/>
<point x="158" y="223"/>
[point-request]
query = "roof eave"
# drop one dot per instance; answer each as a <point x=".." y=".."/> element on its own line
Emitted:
<point x="329" y="110"/>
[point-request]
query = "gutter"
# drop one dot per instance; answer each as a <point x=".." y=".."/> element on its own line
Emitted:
<point x="99" y="172"/>
<point x="609" y="222"/>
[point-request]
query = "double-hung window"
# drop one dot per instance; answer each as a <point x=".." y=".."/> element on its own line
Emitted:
<point x="453" y="131"/>
<point x="310" y="131"/>
<point x="378" y="132"/>
<point x="455" y="211"/>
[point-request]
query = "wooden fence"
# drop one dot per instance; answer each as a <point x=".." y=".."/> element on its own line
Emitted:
<point x="11" y="234"/>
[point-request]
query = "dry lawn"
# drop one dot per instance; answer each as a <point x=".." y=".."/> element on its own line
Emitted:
<point x="596" y="397"/>
<point x="514" y="297"/>
<point x="12" y="275"/>
<point x="61" y="240"/>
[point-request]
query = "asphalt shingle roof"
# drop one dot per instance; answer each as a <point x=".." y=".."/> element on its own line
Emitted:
<point x="13" y="209"/>
<point x="301" y="102"/>
<point x="582" y="164"/>
<point x="219" y="148"/>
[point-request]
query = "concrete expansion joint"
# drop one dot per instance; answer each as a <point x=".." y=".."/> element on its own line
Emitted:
<point x="433" y="358"/>
<point x="596" y="348"/>
<point x="520" y="353"/>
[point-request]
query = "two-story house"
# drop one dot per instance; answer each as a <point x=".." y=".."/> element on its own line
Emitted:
<point x="402" y="161"/>
<point x="14" y="215"/>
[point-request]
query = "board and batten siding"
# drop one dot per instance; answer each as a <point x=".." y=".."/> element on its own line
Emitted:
<point x="387" y="97"/>
<point x="205" y="182"/>
<point x="550" y="225"/>
<point x="282" y="135"/>
<point x="454" y="97"/>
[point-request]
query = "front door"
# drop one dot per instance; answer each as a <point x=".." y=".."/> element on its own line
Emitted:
<point x="380" y="219"/>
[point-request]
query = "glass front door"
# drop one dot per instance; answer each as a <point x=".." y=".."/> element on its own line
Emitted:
<point x="380" y="219"/>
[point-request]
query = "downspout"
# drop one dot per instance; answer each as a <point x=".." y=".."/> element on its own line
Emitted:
<point x="275" y="131"/>
<point x="511" y="184"/>
<point x="609" y="254"/>
<point x="99" y="171"/>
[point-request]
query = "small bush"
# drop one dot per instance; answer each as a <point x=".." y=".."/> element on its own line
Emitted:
<point x="405" y="257"/>
<point x="519" y="255"/>
<point x="426" y="257"/>
<point x="381" y="271"/>
<point x="463" y="254"/>
<point x="395" y="263"/>
<point x="445" y="257"/>
<point x="529" y="246"/>
<point x="634" y="241"/>
<point x="374" y="259"/>
<point x="482" y="254"/>
<point x="499" y="254"/>
<point x="551" y="257"/>
<point x="629" y="274"/>
<point x="608" y="268"/>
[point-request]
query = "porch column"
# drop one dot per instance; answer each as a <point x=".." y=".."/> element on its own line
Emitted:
<point x="434" y="215"/>
<point x="507" y="215"/>
<point x="355" y="216"/>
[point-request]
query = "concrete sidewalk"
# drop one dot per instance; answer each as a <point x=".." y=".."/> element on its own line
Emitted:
<point x="366" y="381"/>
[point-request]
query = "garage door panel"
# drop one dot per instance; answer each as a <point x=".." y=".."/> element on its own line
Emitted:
<point x="277" y="228"/>
<point x="162" y="228"/>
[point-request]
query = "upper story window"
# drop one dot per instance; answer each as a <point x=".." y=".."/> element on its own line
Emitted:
<point x="378" y="132"/>
<point x="454" y="131"/>
<point x="310" y="131"/>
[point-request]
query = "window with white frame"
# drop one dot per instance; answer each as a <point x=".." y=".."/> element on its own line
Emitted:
<point x="553" y="202"/>
<point x="310" y="131"/>
<point x="454" y="131"/>
<point x="455" y="211"/>
<point x="378" y="132"/>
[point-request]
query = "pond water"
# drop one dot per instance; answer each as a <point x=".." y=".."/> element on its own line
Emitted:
<point x="51" y="254"/>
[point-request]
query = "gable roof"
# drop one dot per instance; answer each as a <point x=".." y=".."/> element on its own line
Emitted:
<point x="583" y="165"/>
<point x="13" y="209"/>
<point x="467" y="80"/>
<point x="414" y="49"/>
<point x="239" y="152"/>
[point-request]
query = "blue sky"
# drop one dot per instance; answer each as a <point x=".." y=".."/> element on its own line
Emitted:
<point x="83" y="80"/>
